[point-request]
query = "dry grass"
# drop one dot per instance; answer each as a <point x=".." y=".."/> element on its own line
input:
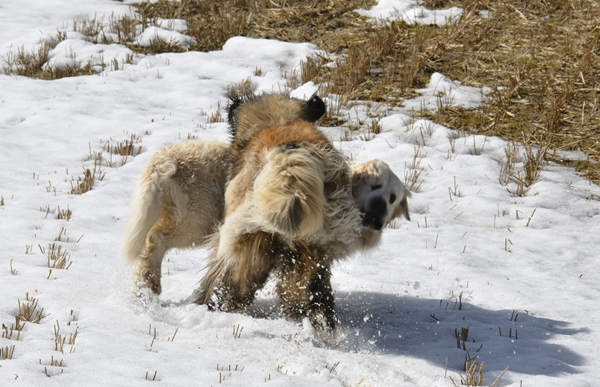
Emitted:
<point x="57" y="367"/>
<point x="86" y="182"/>
<point x="216" y="116"/>
<point x="14" y="331"/>
<point x="58" y="257"/>
<point x="126" y="148"/>
<point x="523" y="168"/>
<point x="60" y="213"/>
<point x="243" y="88"/>
<point x="33" y="63"/>
<point x="29" y="312"/>
<point x="7" y="352"/>
<point x="541" y="58"/>
<point x="237" y="331"/>
<point x="412" y="173"/>
<point x="474" y="371"/>
<point x="83" y="184"/>
<point x="61" y="339"/>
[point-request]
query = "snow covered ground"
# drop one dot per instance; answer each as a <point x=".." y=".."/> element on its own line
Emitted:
<point x="520" y="273"/>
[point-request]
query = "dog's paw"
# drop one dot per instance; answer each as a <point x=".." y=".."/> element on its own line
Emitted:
<point x="152" y="282"/>
<point x="321" y="330"/>
<point x="145" y="299"/>
<point x="147" y="281"/>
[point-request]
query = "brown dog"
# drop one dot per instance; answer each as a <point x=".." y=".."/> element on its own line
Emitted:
<point x="289" y="210"/>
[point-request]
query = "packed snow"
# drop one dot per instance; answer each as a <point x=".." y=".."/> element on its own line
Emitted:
<point x="411" y="12"/>
<point x="519" y="273"/>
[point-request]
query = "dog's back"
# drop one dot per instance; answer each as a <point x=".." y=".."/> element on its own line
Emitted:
<point x="284" y="179"/>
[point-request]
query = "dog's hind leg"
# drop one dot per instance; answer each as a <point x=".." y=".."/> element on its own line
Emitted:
<point x="234" y="277"/>
<point x="304" y="288"/>
<point x="148" y="269"/>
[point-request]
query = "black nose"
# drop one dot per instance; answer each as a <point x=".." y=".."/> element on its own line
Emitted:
<point x="378" y="205"/>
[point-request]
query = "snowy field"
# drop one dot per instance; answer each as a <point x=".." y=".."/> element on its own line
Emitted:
<point x="520" y="273"/>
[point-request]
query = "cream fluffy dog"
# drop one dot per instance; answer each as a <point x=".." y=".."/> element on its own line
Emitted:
<point x="177" y="202"/>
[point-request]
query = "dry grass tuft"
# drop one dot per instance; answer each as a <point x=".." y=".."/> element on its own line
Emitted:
<point x="7" y="352"/>
<point x="474" y="374"/>
<point x="55" y="363"/>
<point x="14" y="331"/>
<point x="60" y="214"/>
<point x="243" y="88"/>
<point x="412" y="173"/>
<point x="58" y="258"/>
<point x="29" y="311"/>
<point x="474" y="371"/>
<point x="64" y="214"/>
<point x="85" y="183"/>
<point x="216" y="116"/>
<point x="532" y="161"/>
<point x="126" y="148"/>
<point x="61" y="339"/>
<point x="34" y="64"/>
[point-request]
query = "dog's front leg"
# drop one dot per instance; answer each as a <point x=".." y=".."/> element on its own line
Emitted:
<point x="237" y="273"/>
<point x="321" y="310"/>
<point x="304" y="287"/>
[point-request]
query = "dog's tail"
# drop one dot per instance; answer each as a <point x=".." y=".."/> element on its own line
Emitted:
<point x="147" y="203"/>
<point x="290" y="191"/>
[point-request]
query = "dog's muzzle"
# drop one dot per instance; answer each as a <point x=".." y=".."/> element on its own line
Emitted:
<point x="374" y="213"/>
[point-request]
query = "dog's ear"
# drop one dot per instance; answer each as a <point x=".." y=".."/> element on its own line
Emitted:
<point x="361" y="172"/>
<point x="402" y="209"/>
<point x="315" y="108"/>
<point x="359" y="175"/>
<point x="235" y="103"/>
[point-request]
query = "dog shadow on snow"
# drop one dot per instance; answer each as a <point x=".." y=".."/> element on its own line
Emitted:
<point x="426" y="328"/>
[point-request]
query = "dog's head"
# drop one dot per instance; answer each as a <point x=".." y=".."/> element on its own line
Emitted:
<point x="379" y="194"/>
<point x="257" y="112"/>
